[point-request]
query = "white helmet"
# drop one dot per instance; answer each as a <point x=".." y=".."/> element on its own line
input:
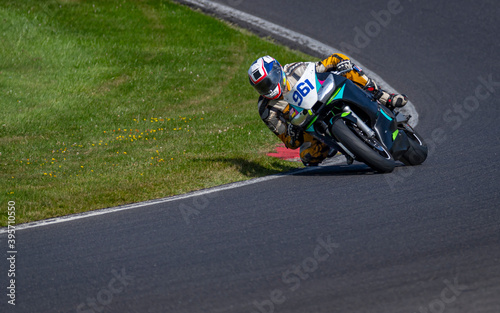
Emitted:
<point x="267" y="77"/>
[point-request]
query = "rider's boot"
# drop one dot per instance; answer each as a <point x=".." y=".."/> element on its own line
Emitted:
<point x="391" y="101"/>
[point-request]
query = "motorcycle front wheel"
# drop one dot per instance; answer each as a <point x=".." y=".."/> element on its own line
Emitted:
<point x="367" y="150"/>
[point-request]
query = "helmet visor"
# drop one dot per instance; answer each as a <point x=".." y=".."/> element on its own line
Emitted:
<point x="269" y="86"/>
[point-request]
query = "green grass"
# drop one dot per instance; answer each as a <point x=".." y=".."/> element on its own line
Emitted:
<point x="112" y="102"/>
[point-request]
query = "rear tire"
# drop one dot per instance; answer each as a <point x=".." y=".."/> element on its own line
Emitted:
<point x="417" y="153"/>
<point x="361" y="150"/>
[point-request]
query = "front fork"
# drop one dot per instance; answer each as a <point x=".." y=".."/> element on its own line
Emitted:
<point x="362" y="125"/>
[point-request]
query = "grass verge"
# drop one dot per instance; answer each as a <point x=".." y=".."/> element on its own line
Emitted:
<point x="112" y="102"/>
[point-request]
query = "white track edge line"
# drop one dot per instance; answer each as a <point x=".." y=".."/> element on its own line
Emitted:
<point x="269" y="27"/>
<point x="193" y="194"/>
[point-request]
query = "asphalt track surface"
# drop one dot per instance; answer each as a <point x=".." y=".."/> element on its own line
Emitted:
<point x="338" y="239"/>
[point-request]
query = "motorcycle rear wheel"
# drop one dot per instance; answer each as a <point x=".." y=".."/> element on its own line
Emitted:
<point x="381" y="161"/>
<point x="417" y="153"/>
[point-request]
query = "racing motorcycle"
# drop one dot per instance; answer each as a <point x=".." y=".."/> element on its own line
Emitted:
<point x="333" y="109"/>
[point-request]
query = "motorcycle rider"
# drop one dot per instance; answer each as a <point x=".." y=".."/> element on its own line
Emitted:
<point x="271" y="81"/>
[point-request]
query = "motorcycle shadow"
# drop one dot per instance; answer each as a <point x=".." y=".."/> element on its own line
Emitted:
<point x="338" y="170"/>
<point x="248" y="168"/>
<point x="341" y="170"/>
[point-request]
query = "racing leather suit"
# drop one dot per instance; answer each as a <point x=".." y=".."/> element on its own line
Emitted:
<point x="275" y="113"/>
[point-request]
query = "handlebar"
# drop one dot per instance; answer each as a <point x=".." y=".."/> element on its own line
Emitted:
<point x="340" y="72"/>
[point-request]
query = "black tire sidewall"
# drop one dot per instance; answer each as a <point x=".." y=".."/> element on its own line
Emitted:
<point x="362" y="151"/>
<point x="417" y="153"/>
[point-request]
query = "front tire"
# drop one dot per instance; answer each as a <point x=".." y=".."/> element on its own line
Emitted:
<point x="380" y="161"/>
